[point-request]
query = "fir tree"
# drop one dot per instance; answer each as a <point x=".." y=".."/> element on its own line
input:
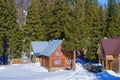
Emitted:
<point x="64" y="22"/>
<point x="91" y="29"/>
<point x="112" y="16"/>
<point x="3" y="24"/>
<point x="9" y="28"/>
<point x="79" y="22"/>
<point x="46" y="7"/>
<point x="34" y="31"/>
<point x="53" y="16"/>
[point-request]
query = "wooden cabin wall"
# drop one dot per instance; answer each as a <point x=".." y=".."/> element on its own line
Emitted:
<point x="58" y="61"/>
<point x="113" y="64"/>
<point x="107" y="61"/>
<point x="116" y="64"/>
<point x="69" y="59"/>
<point x="38" y="59"/>
<point x="45" y="61"/>
<point x="57" y="58"/>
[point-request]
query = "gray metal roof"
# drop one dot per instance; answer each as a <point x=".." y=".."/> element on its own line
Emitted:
<point x="45" y="48"/>
<point x="38" y="47"/>
<point x="52" y="46"/>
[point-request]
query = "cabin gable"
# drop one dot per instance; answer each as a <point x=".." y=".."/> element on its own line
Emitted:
<point x="57" y="57"/>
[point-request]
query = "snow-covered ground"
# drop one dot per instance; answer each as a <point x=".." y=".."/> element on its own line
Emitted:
<point x="33" y="71"/>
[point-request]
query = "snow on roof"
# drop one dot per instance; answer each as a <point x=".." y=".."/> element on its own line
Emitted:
<point x="38" y="47"/>
<point x="51" y="47"/>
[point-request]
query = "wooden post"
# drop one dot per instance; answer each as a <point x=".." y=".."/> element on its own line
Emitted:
<point x="111" y="65"/>
<point x="65" y="60"/>
<point x="103" y="63"/>
<point x="106" y="64"/>
<point x="119" y="64"/>
<point x="50" y="63"/>
<point x="74" y="58"/>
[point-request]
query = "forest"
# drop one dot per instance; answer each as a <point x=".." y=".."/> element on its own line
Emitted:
<point x="81" y="24"/>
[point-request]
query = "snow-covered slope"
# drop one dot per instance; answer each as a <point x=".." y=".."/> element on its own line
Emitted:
<point x="33" y="71"/>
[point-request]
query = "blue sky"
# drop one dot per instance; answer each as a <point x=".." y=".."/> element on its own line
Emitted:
<point x="102" y="1"/>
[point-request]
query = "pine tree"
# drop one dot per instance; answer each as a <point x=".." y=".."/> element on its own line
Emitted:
<point x="57" y="20"/>
<point x="116" y="20"/>
<point x="53" y="17"/>
<point x="3" y="28"/>
<point x="118" y="10"/>
<point x="111" y="27"/>
<point x="46" y="7"/>
<point x="56" y="16"/>
<point x="34" y="30"/>
<point x="9" y="27"/>
<point x="63" y="23"/>
<point x="92" y="29"/>
<point x="79" y="20"/>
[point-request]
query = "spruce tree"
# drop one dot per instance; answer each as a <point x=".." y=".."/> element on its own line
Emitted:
<point x="9" y="27"/>
<point x="92" y="29"/>
<point x="63" y="23"/>
<point x="111" y="27"/>
<point x="46" y="7"/>
<point x="116" y="20"/>
<point x="118" y="10"/>
<point x="53" y="16"/>
<point x="79" y="22"/>
<point x="34" y="31"/>
<point x="3" y="28"/>
<point x="57" y="20"/>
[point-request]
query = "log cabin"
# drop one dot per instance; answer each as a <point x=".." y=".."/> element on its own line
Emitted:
<point x="52" y="55"/>
<point x="109" y="54"/>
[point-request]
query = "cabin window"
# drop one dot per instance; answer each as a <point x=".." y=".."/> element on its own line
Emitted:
<point x="58" y="52"/>
<point x="57" y="61"/>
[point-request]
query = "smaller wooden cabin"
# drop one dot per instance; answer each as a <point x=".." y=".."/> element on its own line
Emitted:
<point x="54" y="57"/>
<point x="109" y="54"/>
